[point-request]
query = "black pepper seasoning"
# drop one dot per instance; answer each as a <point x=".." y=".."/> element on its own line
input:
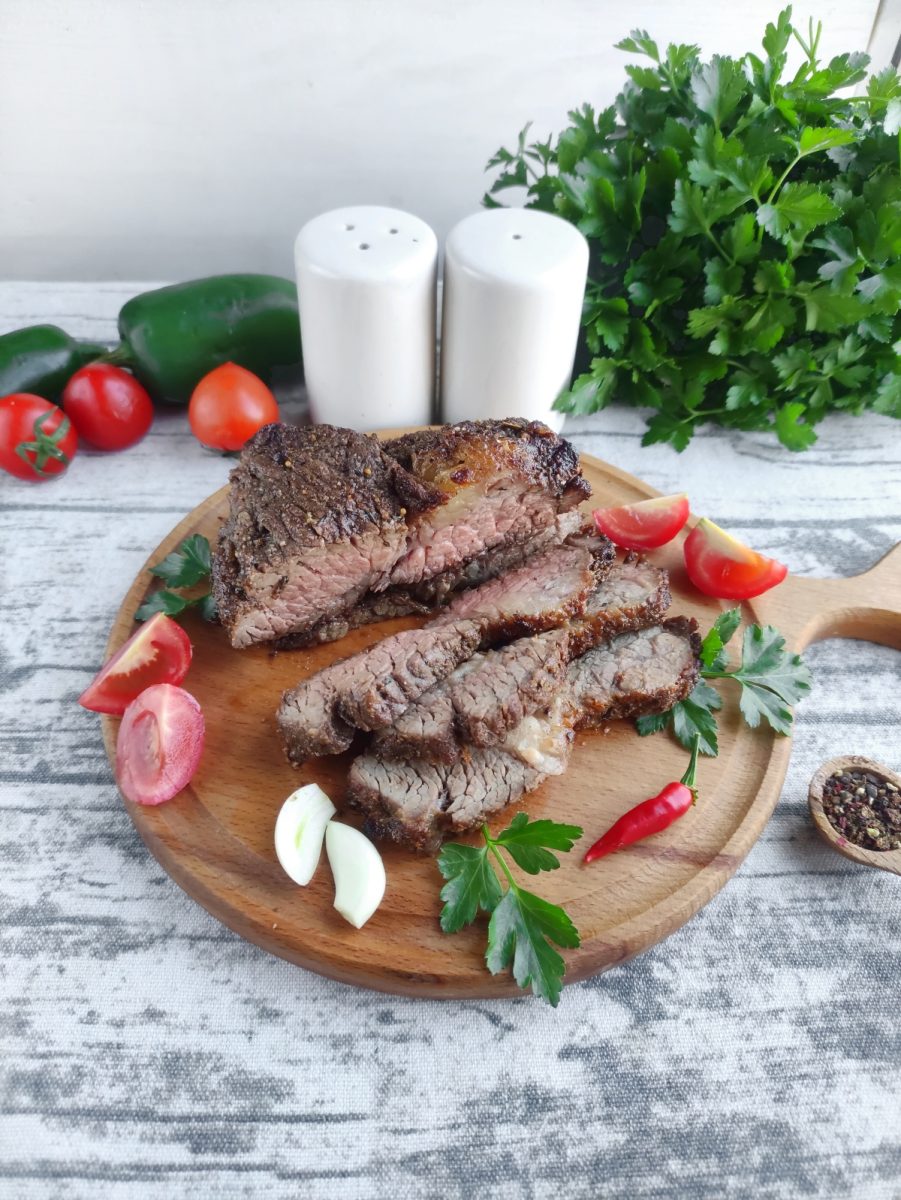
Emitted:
<point x="864" y="808"/>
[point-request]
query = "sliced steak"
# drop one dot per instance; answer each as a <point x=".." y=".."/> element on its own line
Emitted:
<point x="479" y="704"/>
<point x="322" y="520"/>
<point x="417" y="803"/>
<point x="322" y="714"/>
<point x="502" y="481"/>
<point x="373" y="688"/>
<point x="318" y="516"/>
<point x="431" y="594"/>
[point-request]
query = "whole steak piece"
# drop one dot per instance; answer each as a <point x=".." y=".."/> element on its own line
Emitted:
<point x="328" y="528"/>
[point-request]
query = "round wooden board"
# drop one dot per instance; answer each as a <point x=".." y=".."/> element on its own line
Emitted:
<point x="215" y="838"/>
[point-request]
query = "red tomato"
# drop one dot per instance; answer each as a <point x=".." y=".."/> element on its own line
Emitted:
<point x="159" y="744"/>
<point x="228" y="406"/>
<point x="720" y="566"/>
<point x="645" y="525"/>
<point x="110" y="409"/>
<point x="37" y="439"/>
<point x="160" y="652"/>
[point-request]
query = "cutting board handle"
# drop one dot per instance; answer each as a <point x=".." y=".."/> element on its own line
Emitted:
<point x="866" y="606"/>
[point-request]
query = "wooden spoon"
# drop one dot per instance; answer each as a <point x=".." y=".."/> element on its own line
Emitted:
<point x="886" y="860"/>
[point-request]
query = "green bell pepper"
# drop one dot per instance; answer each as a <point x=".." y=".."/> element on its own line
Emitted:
<point x="40" y="359"/>
<point x="173" y="336"/>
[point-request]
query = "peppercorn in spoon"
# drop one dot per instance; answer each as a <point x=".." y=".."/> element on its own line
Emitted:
<point x="856" y="806"/>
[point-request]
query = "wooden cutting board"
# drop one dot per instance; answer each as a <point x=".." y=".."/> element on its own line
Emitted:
<point x="215" y="838"/>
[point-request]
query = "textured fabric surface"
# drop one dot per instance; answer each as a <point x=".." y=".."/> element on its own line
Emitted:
<point x="147" y="1052"/>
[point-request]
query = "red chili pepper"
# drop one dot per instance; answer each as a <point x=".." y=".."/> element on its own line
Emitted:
<point x="651" y="816"/>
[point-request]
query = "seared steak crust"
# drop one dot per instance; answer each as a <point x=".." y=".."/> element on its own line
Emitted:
<point x="417" y="803"/>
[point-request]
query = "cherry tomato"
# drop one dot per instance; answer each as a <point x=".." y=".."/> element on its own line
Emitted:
<point x="645" y="525"/>
<point x="159" y="744"/>
<point x="228" y="406"/>
<point x="109" y="408"/>
<point x="720" y="566"/>
<point x="160" y="652"/>
<point x="37" y="439"/>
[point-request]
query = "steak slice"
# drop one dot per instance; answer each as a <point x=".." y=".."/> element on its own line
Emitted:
<point x="318" y="515"/>
<point x="371" y="689"/>
<point x="502" y="482"/>
<point x="481" y="701"/>
<point x="418" y="803"/>
<point x="324" y="519"/>
<point x="424" y="597"/>
<point x="313" y="717"/>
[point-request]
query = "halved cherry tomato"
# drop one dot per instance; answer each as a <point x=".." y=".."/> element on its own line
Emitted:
<point x="159" y="744"/>
<point x="160" y="652"/>
<point x="720" y="566"/>
<point x="228" y="406"/>
<point x="111" y="410"/>
<point x="37" y="439"/>
<point x="644" y="525"/>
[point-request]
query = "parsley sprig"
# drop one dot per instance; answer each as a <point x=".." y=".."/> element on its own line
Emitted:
<point x="523" y="928"/>
<point x="745" y="234"/>
<point x="771" y="681"/>
<point x="185" y="567"/>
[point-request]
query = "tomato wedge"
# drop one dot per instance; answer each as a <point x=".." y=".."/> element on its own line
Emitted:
<point x="720" y="566"/>
<point x="645" y="525"/>
<point x="160" y="652"/>
<point x="159" y="744"/>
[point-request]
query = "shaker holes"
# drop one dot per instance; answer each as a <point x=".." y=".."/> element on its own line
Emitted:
<point x="364" y="245"/>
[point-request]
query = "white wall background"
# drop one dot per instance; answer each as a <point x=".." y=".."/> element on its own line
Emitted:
<point x="173" y="138"/>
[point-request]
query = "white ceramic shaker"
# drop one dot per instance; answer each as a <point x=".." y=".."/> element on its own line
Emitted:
<point x="514" y="281"/>
<point x="366" y="282"/>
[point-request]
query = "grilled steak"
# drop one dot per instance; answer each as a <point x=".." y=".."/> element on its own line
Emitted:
<point x="371" y="689"/>
<point x="417" y="803"/>
<point x="323" y="518"/>
<point x="483" y="699"/>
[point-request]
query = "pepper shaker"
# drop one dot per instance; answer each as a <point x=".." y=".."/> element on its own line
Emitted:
<point x="366" y="283"/>
<point x="514" y="281"/>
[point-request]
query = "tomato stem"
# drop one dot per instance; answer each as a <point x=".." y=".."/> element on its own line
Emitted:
<point x="45" y="445"/>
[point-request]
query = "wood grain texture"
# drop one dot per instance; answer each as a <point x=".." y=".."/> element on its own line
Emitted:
<point x="148" y="1052"/>
<point x="883" y="860"/>
<point x="216" y="838"/>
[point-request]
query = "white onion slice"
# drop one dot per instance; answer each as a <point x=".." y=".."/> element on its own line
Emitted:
<point x="358" y="870"/>
<point x="299" y="831"/>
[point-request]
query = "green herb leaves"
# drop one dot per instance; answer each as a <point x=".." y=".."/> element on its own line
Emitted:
<point x="771" y="681"/>
<point x="185" y="567"/>
<point x="523" y="929"/>
<point x="746" y="236"/>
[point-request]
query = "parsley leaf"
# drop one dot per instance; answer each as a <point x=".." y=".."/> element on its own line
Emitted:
<point x="185" y="567"/>
<point x="739" y="209"/>
<point x="771" y="681"/>
<point x="523" y="928"/>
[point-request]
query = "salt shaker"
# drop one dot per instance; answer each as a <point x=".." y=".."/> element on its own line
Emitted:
<point x="514" y="281"/>
<point x="366" y="282"/>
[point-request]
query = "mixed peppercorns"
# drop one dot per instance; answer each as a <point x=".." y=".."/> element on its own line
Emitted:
<point x="864" y="808"/>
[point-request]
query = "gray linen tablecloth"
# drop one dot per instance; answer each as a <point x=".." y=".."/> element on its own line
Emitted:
<point x="146" y="1051"/>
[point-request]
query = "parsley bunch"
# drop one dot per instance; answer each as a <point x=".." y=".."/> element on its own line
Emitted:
<point x="187" y="566"/>
<point x="745" y="234"/>
<point x="522" y="925"/>
<point x="771" y="681"/>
